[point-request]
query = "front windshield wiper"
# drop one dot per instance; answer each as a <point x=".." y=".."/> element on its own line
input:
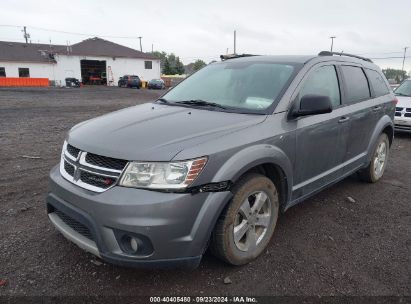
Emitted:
<point x="402" y="94"/>
<point x="200" y="103"/>
<point x="163" y="100"/>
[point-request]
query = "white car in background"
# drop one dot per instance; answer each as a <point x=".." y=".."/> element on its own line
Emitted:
<point x="402" y="119"/>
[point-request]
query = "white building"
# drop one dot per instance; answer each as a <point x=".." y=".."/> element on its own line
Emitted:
<point x="92" y="61"/>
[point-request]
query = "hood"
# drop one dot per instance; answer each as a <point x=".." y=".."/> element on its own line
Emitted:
<point x="151" y="132"/>
<point x="404" y="101"/>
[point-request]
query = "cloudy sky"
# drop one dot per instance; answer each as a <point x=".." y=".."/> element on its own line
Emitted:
<point x="204" y="29"/>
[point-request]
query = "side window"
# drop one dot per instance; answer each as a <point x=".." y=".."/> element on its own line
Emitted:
<point x="2" y="72"/>
<point x="377" y="83"/>
<point x="323" y="81"/>
<point x="356" y="84"/>
<point x="24" y="72"/>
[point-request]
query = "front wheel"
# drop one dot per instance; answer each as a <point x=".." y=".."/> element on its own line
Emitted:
<point x="375" y="170"/>
<point x="246" y="226"/>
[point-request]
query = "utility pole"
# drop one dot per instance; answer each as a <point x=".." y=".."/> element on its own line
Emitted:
<point x="403" y="59"/>
<point x="26" y="35"/>
<point x="152" y="48"/>
<point x="141" y="48"/>
<point x="332" y="42"/>
<point x="235" y="41"/>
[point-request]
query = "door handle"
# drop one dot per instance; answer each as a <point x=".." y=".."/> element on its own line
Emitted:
<point x="376" y="108"/>
<point x="344" y="119"/>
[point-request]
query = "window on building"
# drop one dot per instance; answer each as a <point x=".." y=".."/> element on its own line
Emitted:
<point x="323" y="81"/>
<point x="356" y="83"/>
<point x="378" y="83"/>
<point x="24" y="72"/>
<point x="148" y="65"/>
<point x="2" y="72"/>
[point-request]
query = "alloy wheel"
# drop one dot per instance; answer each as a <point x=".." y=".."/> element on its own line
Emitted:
<point x="252" y="221"/>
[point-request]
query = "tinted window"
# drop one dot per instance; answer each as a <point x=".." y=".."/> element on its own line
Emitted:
<point x="378" y="83"/>
<point x="148" y="65"/>
<point x="356" y="84"/>
<point x="2" y="72"/>
<point x="24" y="72"/>
<point x="404" y="89"/>
<point x="323" y="81"/>
<point x="250" y="85"/>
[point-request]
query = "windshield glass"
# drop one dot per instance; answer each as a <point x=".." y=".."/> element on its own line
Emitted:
<point x="250" y="85"/>
<point x="404" y="88"/>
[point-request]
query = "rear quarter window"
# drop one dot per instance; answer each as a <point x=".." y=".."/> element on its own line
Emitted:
<point x="356" y="84"/>
<point x="378" y="83"/>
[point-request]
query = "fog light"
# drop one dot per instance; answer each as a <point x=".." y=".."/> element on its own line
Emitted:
<point x="134" y="244"/>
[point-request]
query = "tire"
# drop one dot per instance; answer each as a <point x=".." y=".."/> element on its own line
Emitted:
<point x="233" y="238"/>
<point x="375" y="170"/>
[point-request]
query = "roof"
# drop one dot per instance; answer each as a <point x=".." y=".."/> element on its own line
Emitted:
<point x="274" y="58"/>
<point x="303" y="59"/>
<point x="36" y="52"/>
<point x="28" y="52"/>
<point x="100" y="47"/>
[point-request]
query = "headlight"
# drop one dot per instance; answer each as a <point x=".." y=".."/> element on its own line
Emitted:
<point x="159" y="175"/>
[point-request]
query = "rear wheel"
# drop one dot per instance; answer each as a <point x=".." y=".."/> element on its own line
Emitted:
<point x="375" y="170"/>
<point x="246" y="226"/>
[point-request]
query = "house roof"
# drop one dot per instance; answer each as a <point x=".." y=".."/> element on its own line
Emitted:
<point x="35" y="52"/>
<point x="29" y="52"/>
<point x="100" y="47"/>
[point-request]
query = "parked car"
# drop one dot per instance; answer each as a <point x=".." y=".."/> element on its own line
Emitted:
<point x="217" y="159"/>
<point x="156" y="84"/>
<point x="72" y="82"/>
<point x="402" y="117"/>
<point x="129" y="81"/>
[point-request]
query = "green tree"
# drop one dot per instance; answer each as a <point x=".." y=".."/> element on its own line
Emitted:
<point x="167" y="70"/>
<point x="170" y="63"/>
<point x="179" y="69"/>
<point x="397" y="75"/>
<point x="198" y="64"/>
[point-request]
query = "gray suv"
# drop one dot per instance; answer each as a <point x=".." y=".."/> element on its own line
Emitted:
<point x="213" y="162"/>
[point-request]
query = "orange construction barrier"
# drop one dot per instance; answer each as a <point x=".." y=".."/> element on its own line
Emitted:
<point x="23" y="82"/>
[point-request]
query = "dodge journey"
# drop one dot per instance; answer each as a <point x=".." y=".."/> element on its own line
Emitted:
<point x="216" y="160"/>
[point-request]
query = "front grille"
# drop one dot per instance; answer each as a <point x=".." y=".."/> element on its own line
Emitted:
<point x="75" y="225"/>
<point x="398" y="109"/>
<point x="106" y="162"/>
<point x="69" y="168"/>
<point x="397" y="114"/>
<point x="96" y="180"/>
<point x="408" y="109"/>
<point x="407" y="115"/>
<point x="90" y="171"/>
<point x="73" y="151"/>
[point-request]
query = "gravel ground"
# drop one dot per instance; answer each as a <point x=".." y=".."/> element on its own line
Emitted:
<point x="329" y="245"/>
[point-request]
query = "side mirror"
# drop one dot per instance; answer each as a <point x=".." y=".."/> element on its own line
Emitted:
<point x="314" y="104"/>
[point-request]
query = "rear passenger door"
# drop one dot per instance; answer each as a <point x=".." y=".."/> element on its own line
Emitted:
<point x="360" y="113"/>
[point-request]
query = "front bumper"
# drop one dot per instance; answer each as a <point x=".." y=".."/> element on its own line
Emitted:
<point x="402" y="124"/>
<point x="177" y="225"/>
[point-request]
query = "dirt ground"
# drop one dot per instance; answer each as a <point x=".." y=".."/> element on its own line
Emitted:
<point x="327" y="245"/>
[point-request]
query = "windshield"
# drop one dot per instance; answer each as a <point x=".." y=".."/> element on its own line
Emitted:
<point x="252" y="86"/>
<point x="404" y="88"/>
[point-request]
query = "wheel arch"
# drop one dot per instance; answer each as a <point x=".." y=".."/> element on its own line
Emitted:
<point x="267" y="160"/>
<point x="384" y="125"/>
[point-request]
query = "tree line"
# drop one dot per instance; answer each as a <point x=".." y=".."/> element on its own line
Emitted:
<point x="172" y="65"/>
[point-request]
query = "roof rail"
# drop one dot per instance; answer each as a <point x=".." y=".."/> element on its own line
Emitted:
<point x="327" y="53"/>
<point x="232" y="56"/>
